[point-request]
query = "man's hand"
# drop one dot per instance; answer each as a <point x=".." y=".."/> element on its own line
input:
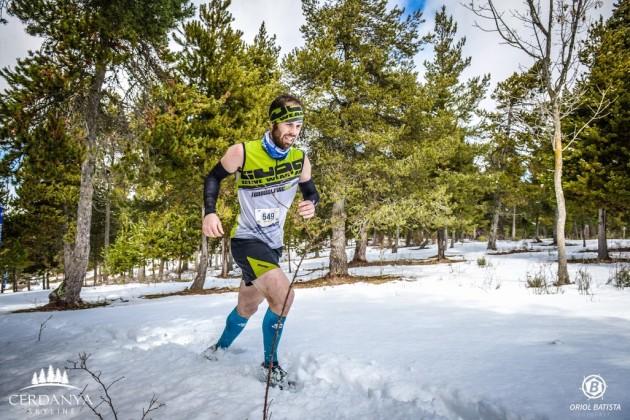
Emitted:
<point x="212" y="226"/>
<point x="306" y="209"/>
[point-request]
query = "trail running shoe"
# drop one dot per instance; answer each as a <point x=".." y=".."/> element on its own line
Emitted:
<point x="278" y="375"/>
<point x="211" y="353"/>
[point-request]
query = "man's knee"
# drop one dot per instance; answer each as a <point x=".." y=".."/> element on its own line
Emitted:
<point x="282" y="302"/>
<point x="248" y="300"/>
<point x="246" y="310"/>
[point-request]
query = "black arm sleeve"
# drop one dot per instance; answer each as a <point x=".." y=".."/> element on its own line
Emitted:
<point x="211" y="188"/>
<point x="309" y="192"/>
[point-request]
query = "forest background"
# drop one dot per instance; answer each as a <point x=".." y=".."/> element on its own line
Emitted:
<point x="108" y="130"/>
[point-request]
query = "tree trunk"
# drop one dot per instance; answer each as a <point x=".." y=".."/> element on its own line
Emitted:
<point x="602" y="244"/>
<point x="514" y="224"/>
<point x="338" y="257"/>
<point x="161" y="271"/>
<point x="453" y="238"/>
<point x="441" y="243"/>
<point x="68" y="294"/>
<point x="95" y="270"/>
<point x="584" y="227"/>
<point x="202" y="268"/>
<point x="419" y="236"/>
<point x="563" y="271"/>
<point x="360" y="249"/>
<point x="378" y="239"/>
<point x="230" y="266"/>
<point x="537" y="234"/>
<point x="492" y="235"/>
<point x="396" y="239"/>
<point x="225" y="269"/>
<point x="108" y="211"/>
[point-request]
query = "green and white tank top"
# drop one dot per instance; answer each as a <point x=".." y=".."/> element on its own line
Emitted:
<point x="266" y="188"/>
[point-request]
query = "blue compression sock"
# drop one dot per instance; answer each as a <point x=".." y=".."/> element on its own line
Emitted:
<point x="269" y="325"/>
<point x="234" y="324"/>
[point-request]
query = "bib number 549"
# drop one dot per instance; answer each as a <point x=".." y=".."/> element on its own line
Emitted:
<point x="267" y="217"/>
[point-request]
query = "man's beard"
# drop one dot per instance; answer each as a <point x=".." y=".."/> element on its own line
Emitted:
<point x="277" y="137"/>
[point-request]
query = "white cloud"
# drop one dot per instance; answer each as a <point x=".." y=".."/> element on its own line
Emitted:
<point x="282" y="18"/>
<point x="14" y="43"/>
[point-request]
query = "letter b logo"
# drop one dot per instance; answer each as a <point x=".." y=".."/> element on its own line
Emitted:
<point x="593" y="387"/>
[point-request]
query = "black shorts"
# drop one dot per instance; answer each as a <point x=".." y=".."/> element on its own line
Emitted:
<point x="254" y="257"/>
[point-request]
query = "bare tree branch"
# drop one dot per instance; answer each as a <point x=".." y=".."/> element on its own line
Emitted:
<point x="41" y="328"/>
<point x="596" y="113"/>
<point x="152" y="407"/>
<point x="535" y="17"/>
<point x="107" y="399"/>
<point x="82" y="365"/>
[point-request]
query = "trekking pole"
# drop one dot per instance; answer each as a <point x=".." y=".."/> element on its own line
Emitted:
<point x="310" y="246"/>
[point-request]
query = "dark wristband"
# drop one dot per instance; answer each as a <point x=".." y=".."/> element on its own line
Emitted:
<point x="309" y="192"/>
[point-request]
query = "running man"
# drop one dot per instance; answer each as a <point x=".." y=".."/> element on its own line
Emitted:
<point x="268" y="173"/>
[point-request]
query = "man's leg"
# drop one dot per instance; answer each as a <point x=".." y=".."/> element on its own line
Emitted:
<point x="248" y="300"/>
<point x="274" y="286"/>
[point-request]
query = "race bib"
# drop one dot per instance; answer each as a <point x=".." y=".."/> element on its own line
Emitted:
<point x="267" y="217"/>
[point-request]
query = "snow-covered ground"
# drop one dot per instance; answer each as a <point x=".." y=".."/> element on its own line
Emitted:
<point x="448" y="341"/>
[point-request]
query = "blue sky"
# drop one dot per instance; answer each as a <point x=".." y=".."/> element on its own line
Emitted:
<point x="415" y="4"/>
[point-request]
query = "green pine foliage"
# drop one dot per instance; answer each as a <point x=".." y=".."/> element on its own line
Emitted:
<point x="443" y="123"/>
<point x="355" y="73"/>
<point x="85" y="46"/>
<point x="217" y="96"/>
<point x="110" y="174"/>
<point x="599" y="161"/>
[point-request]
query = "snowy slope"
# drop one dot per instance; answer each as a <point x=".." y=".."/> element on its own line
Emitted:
<point x="448" y="341"/>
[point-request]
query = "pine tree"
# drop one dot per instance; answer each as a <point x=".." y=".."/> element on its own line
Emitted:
<point x="85" y="45"/>
<point x="354" y="72"/>
<point x="598" y="162"/>
<point x="34" y="162"/>
<point x="219" y="96"/>
<point x="451" y="105"/>
<point x="506" y="160"/>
